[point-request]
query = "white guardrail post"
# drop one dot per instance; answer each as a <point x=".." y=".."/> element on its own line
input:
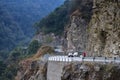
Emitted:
<point x="92" y="59"/>
<point x="105" y="59"/>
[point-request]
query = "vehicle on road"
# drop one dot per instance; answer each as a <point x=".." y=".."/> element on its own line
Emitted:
<point x="77" y="54"/>
<point x="70" y="54"/>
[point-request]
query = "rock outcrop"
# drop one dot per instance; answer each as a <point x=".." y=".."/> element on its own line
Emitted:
<point x="32" y="70"/>
<point x="98" y="34"/>
<point x="35" y="67"/>
<point x="76" y="32"/>
<point x="90" y="71"/>
<point x="104" y="29"/>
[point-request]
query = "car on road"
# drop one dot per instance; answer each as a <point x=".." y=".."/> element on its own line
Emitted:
<point x="77" y="54"/>
<point x="73" y="54"/>
<point x="70" y="54"/>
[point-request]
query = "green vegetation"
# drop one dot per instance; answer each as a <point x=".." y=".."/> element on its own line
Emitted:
<point x="27" y="12"/>
<point x="9" y="73"/>
<point x="54" y="22"/>
<point x="10" y="33"/>
<point x="17" y="18"/>
<point x="43" y="50"/>
<point x="49" y="39"/>
<point x="59" y="18"/>
<point x="2" y="68"/>
<point x="9" y="67"/>
<point x="33" y="47"/>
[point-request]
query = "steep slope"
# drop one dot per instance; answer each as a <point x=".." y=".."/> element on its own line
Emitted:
<point x="104" y="29"/>
<point x="69" y="20"/>
<point x="55" y="21"/>
<point x="76" y="32"/>
<point x="17" y="18"/>
<point x="60" y="17"/>
<point x="34" y="68"/>
<point x="27" y="12"/>
<point x="91" y="71"/>
<point x="10" y="33"/>
<point x="95" y="28"/>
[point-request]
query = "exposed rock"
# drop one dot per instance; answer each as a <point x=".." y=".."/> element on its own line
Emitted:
<point x="32" y="70"/>
<point x="104" y="29"/>
<point x="76" y="32"/>
<point x="98" y="35"/>
<point x="87" y="71"/>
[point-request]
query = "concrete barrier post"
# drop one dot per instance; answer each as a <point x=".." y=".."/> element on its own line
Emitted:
<point x="93" y="59"/>
<point x="105" y="59"/>
<point x="66" y="59"/>
<point x="114" y="59"/>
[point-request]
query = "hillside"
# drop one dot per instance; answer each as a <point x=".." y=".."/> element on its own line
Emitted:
<point x="90" y="26"/>
<point x="18" y="17"/>
<point x="104" y="29"/>
<point x="87" y="25"/>
<point x="56" y="21"/>
<point x="10" y="32"/>
<point x="27" y="12"/>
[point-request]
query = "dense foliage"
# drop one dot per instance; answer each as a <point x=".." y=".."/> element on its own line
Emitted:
<point x="33" y="47"/>
<point x="55" y="21"/>
<point x="58" y="19"/>
<point x="9" y="67"/>
<point x="2" y="68"/>
<point x="17" y="18"/>
<point x="27" y="12"/>
<point x="10" y="33"/>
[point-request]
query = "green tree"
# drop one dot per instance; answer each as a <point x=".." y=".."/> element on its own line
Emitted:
<point x="54" y="22"/>
<point x="2" y="68"/>
<point x="33" y="47"/>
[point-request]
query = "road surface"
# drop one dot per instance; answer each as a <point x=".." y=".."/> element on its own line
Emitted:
<point x="80" y="59"/>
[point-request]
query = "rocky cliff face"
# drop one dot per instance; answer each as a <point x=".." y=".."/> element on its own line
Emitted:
<point x="32" y="70"/>
<point x="76" y="34"/>
<point x="98" y="35"/>
<point x="76" y="31"/>
<point x="90" y="71"/>
<point x="104" y="28"/>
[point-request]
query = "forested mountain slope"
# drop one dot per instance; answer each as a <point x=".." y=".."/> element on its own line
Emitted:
<point x="56" y="21"/>
<point x="10" y="33"/>
<point x="17" y="18"/>
<point x="27" y="12"/>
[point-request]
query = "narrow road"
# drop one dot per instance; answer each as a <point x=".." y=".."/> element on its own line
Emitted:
<point x="87" y="59"/>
